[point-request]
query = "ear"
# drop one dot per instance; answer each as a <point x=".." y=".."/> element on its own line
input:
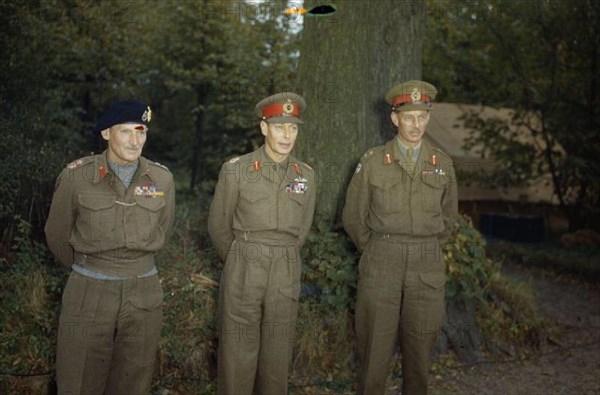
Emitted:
<point x="395" y="119"/>
<point x="105" y="134"/>
<point x="264" y="128"/>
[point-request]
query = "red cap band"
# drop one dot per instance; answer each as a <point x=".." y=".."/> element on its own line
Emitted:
<point x="281" y="110"/>
<point x="407" y="98"/>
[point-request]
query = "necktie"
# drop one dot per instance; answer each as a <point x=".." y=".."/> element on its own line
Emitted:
<point x="410" y="165"/>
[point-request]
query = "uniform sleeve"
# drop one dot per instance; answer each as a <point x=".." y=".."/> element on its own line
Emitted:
<point x="449" y="204"/>
<point x="222" y="209"/>
<point x="61" y="220"/>
<point x="167" y="217"/>
<point x="356" y="209"/>
<point x="309" y="211"/>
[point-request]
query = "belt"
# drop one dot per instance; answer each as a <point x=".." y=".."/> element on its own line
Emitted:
<point x="268" y="237"/>
<point x="401" y="238"/>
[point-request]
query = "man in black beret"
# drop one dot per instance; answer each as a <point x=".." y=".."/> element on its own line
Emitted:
<point x="110" y="214"/>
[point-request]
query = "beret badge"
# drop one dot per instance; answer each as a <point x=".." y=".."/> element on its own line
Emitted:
<point x="147" y="115"/>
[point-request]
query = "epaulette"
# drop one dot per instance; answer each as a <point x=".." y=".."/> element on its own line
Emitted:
<point x="371" y="153"/>
<point x="80" y="162"/>
<point x="159" y="165"/>
<point x="442" y="152"/>
<point x="233" y="160"/>
<point x="307" y="166"/>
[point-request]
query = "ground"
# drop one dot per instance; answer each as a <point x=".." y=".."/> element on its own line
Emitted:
<point x="569" y="364"/>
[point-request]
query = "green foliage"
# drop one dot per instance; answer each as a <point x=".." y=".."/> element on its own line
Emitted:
<point x="540" y="59"/>
<point x="506" y="310"/>
<point x="329" y="268"/>
<point x="30" y="292"/>
<point x="468" y="269"/>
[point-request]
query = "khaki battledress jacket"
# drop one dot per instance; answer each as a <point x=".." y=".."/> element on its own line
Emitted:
<point x="95" y="221"/>
<point x="397" y="214"/>
<point x="259" y="218"/>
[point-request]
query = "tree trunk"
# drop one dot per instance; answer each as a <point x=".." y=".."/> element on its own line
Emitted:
<point x="347" y="63"/>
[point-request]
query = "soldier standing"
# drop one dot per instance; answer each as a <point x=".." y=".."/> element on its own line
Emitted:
<point x="400" y="206"/>
<point x="110" y="214"/>
<point x="260" y="215"/>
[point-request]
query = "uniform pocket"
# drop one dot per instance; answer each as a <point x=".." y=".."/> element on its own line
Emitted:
<point x="433" y="187"/>
<point x="147" y="302"/>
<point x="256" y="207"/>
<point x="147" y="215"/>
<point x="287" y="304"/>
<point x="390" y="195"/>
<point x="80" y="297"/>
<point x="96" y="219"/>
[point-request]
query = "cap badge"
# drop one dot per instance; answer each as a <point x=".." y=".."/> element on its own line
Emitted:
<point x="288" y="107"/>
<point x="415" y="95"/>
<point x="147" y="115"/>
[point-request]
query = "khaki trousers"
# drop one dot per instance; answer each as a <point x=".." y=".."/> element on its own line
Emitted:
<point x="400" y="293"/>
<point x="258" y="306"/>
<point x="108" y="335"/>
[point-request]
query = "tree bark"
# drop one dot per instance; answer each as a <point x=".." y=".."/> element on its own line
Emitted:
<point x="347" y="63"/>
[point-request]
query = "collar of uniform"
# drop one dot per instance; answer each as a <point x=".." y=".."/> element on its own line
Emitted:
<point x="392" y="149"/>
<point x="426" y="153"/>
<point x="101" y="167"/>
<point x="261" y="156"/>
<point x="144" y="169"/>
<point x="101" y="162"/>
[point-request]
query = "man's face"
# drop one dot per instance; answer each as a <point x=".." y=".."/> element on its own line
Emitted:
<point x="279" y="138"/>
<point x="411" y="125"/>
<point x="125" y="142"/>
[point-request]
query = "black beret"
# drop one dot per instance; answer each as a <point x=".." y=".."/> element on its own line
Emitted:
<point x="128" y="111"/>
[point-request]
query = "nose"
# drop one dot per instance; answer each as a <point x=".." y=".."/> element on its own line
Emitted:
<point x="134" y="139"/>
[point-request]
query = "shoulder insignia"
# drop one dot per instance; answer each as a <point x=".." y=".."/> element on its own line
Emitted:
<point x="307" y="166"/>
<point x="234" y="160"/>
<point x="442" y="152"/>
<point x="358" y="167"/>
<point x="80" y="162"/>
<point x="160" y="165"/>
<point x="370" y="154"/>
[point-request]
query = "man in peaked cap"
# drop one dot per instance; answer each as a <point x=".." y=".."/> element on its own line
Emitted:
<point x="110" y="214"/>
<point x="260" y="215"/>
<point x="400" y="205"/>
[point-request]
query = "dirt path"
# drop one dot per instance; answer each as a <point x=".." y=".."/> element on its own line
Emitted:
<point x="573" y="367"/>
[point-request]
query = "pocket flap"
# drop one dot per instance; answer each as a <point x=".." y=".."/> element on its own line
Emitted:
<point x="253" y="197"/>
<point x="292" y="292"/>
<point x="96" y="202"/>
<point x="385" y="183"/>
<point x="434" y="180"/>
<point x="148" y="301"/>
<point x="297" y="197"/>
<point x="434" y="280"/>
<point x="149" y="203"/>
